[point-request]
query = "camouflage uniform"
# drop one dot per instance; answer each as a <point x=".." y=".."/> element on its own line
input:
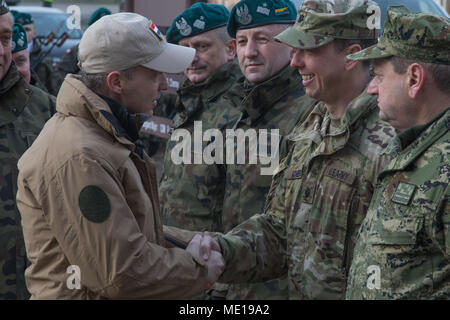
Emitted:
<point x="406" y="233"/>
<point x="318" y="198"/>
<point x="321" y="192"/>
<point x="24" y="111"/>
<point x="277" y="103"/>
<point x="403" y="250"/>
<point x="192" y="194"/>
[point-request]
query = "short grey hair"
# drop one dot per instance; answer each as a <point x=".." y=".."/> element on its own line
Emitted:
<point x="97" y="82"/>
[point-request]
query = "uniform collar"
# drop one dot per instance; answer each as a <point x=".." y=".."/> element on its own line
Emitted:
<point x="193" y="96"/>
<point x="15" y="93"/>
<point x="75" y="99"/>
<point x="257" y="99"/>
<point x="410" y="143"/>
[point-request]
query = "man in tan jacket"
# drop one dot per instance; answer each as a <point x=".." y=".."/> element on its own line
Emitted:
<point x="87" y="192"/>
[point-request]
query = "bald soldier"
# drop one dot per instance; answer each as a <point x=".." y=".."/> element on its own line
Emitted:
<point x="403" y="251"/>
<point x="24" y="109"/>
<point x="320" y="193"/>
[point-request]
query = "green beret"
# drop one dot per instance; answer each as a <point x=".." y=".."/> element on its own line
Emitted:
<point x="23" y="18"/>
<point x="199" y="18"/>
<point x="19" y="38"/>
<point x="422" y="37"/>
<point x="15" y="14"/>
<point x="3" y="7"/>
<point x="321" y="21"/>
<point x="100" y="12"/>
<point x="247" y="14"/>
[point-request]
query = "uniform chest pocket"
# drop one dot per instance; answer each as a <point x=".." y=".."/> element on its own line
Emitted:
<point x="395" y="231"/>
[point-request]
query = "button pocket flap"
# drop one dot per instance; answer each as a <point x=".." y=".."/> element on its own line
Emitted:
<point x="396" y="231"/>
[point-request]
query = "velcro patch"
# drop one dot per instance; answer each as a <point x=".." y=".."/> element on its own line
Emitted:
<point x="403" y="193"/>
<point x="341" y="175"/>
<point x="94" y="204"/>
<point x="294" y="174"/>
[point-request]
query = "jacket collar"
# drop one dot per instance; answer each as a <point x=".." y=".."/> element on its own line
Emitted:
<point x="194" y="95"/>
<point x="410" y="144"/>
<point x="257" y="99"/>
<point x="15" y="94"/>
<point x="75" y="99"/>
<point x="320" y="121"/>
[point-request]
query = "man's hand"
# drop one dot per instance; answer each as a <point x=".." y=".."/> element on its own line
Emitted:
<point x="209" y="249"/>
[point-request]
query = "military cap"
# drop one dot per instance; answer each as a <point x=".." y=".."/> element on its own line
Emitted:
<point x="100" y="12"/>
<point x="417" y="36"/>
<point x="3" y="7"/>
<point x="19" y="38"/>
<point x="199" y="18"/>
<point x="247" y="14"/>
<point x="23" y="18"/>
<point x="321" y="21"/>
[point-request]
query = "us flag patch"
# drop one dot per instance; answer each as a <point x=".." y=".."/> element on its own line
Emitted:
<point x="156" y="31"/>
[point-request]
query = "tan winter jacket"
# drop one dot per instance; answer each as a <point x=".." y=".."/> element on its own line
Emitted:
<point x="115" y="239"/>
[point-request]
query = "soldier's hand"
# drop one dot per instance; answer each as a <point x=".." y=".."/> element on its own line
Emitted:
<point x="207" y="245"/>
<point x="216" y="266"/>
<point x="209" y="249"/>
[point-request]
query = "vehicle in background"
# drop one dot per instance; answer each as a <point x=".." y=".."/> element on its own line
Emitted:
<point x="47" y="20"/>
<point x="12" y="2"/>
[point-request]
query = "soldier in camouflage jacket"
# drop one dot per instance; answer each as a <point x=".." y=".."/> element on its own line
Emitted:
<point x="403" y="251"/>
<point x="24" y="111"/>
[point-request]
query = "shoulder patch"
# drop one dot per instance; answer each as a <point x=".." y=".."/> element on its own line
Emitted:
<point x="94" y="204"/>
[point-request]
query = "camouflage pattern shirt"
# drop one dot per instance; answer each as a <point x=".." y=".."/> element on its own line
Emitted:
<point x="317" y="201"/>
<point x="403" y="251"/>
<point x="23" y="112"/>
<point x="192" y="194"/>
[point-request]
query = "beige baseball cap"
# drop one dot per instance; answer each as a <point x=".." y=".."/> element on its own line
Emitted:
<point x="125" y="40"/>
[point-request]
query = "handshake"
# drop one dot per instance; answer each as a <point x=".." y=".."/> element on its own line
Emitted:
<point x="208" y="248"/>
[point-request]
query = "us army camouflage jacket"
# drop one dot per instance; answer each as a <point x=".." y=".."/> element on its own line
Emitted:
<point x="318" y="199"/>
<point x="192" y="194"/>
<point x="24" y="109"/>
<point x="403" y="251"/>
